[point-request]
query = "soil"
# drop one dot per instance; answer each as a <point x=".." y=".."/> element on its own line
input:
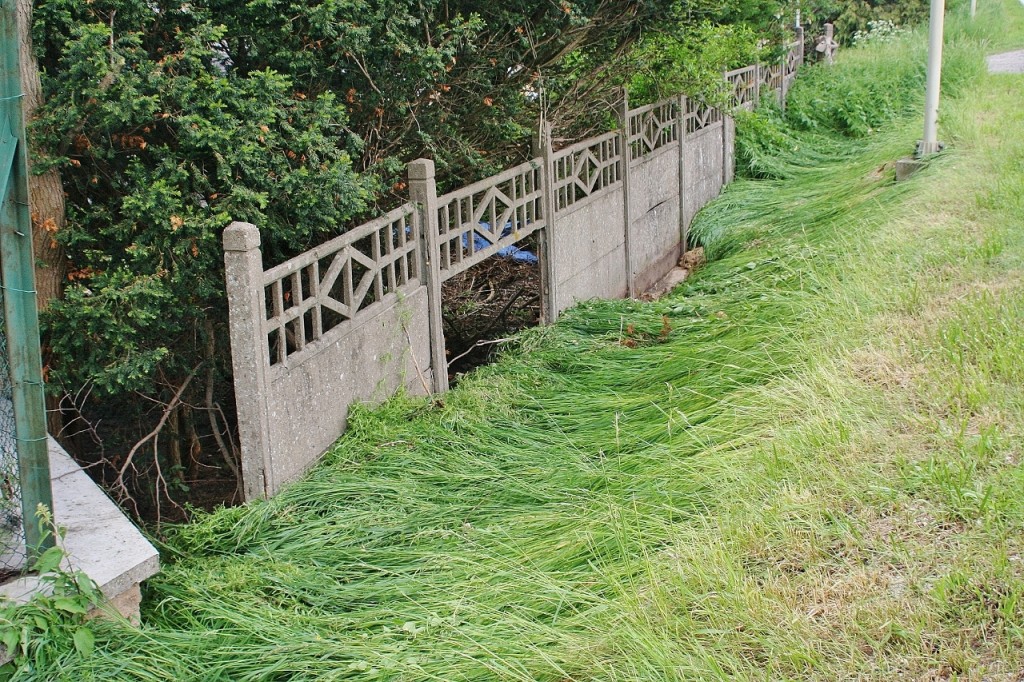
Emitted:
<point x="97" y="437"/>
<point x="492" y="300"/>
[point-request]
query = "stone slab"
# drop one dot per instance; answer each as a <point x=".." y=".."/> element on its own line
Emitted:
<point x="100" y="539"/>
<point x="907" y="167"/>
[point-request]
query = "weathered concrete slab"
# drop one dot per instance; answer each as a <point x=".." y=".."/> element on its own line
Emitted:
<point x="100" y="539"/>
<point x="654" y="214"/>
<point x="1007" y="62"/>
<point x="308" y="401"/>
<point x="704" y="153"/>
<point x="907" y="167"/>
<point x="589" y="250"/>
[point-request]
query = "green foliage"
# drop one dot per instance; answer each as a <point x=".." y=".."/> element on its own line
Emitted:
<point x="162" y="147"/>
<point x="690" y="53"/>
<point x="38" y="633"/>
<point x="866" y="90"/>
<point x="692" y="60"/>
<point x="853" y="16"/>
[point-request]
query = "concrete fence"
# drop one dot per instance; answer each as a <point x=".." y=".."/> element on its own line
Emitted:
<point x="358" y="317"/>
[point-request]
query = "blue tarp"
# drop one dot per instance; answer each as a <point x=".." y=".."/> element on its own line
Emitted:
<point x="513" y="251"/>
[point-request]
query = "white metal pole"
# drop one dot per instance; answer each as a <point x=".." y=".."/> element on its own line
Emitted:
<point x="930" y="144"/>
<point x="974" y="7"/>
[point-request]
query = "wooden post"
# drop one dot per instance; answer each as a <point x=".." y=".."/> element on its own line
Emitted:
<point x="623" y="115"/>
<point x="546" y="236"/>
<point x="423" y="191"/>
<point x="250" y="356"/>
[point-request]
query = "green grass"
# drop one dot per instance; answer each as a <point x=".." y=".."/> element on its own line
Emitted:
<point x="816" y="474"/>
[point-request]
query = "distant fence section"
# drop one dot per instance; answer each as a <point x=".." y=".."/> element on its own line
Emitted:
<point x="360" y="316"/>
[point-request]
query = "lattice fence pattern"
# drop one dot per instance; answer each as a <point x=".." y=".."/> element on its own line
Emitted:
<point x="794" y="59"/>
<point x="480" y="220"/>
<point x="771" y="76"/>
<point x="699" y="115"/>
<point x="585" y="169"/>
<point x="743" y="87"/>
<point x="653" y="127"/>
<point x="314" y="293"/>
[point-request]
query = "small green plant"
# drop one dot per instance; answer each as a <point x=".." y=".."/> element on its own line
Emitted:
<point x="54" y="619"/>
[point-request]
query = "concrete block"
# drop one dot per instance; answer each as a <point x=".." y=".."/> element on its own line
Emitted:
<point x="100" y="540"/>
<point x="907" y="167"/>
<point x="241" y="237"/>
<point x="127" y="605"/>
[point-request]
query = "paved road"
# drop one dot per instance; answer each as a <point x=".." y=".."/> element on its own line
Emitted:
<point x="1007" y="62"/>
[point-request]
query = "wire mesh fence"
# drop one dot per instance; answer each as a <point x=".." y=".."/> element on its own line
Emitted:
<point x="12" y="531"/>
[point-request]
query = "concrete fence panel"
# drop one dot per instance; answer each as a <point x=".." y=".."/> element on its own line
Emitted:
<point x="342" y="323"/>
<point x="654" y="145"/>
<point x="588" y="246"/>
<point x="703" y="156"/>
<point x="359" y="317"/>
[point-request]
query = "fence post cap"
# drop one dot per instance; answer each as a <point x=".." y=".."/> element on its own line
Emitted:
<point x="241" y="237"/>
<point x="421" y="169"/>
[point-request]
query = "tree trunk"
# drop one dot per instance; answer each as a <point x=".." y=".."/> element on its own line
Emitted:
<point x="46" y="198"/>
<point x="45" y="191"/>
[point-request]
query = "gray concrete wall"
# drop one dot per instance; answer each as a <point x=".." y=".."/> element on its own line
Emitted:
<point x="308" y="402"/>
<point x="346" y="322"/>
<point x="609" y="225"/>
<point x="654" y="212"/>
<point x="703" y="157"/>
<point x="589" y="250"/>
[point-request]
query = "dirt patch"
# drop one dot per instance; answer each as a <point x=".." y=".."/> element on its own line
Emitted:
<point x="488" y="302"/>
<point x="883" y="172"/>
<point x="691" y="260"/>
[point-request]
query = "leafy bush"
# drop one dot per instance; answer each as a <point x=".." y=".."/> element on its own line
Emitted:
<point x="856" y="16"/>
<point x="693" y="60"/>
<point x="168" y="120"/>
<point x="163" y="154"/>
<point x="879" y="31"/>
<point x="866" y="89"/>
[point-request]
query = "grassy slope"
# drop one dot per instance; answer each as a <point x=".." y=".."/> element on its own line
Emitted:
<point x="816" y="475"/>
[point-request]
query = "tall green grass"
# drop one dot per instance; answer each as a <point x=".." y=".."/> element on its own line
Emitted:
<point x="591" y="506"/>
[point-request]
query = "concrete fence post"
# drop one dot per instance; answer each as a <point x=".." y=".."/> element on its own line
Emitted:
<point x="781" y="94"/>
<point x="830" y="42"/>
<point x="423" y="191"/>
<point x="546" y="236"/>
<point x="243" y="274"/>
<point x="757" y="84"/>
<point x="684" y="219"/>
<point x="728" y="148"/>
<point x="800" y="41"/>
<point x="622" y="112"/>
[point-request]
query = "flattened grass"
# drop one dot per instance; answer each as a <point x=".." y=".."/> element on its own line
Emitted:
<point x="804" y="464"/>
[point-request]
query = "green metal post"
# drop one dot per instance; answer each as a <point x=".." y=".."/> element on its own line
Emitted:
<point x="21" y="315"/>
